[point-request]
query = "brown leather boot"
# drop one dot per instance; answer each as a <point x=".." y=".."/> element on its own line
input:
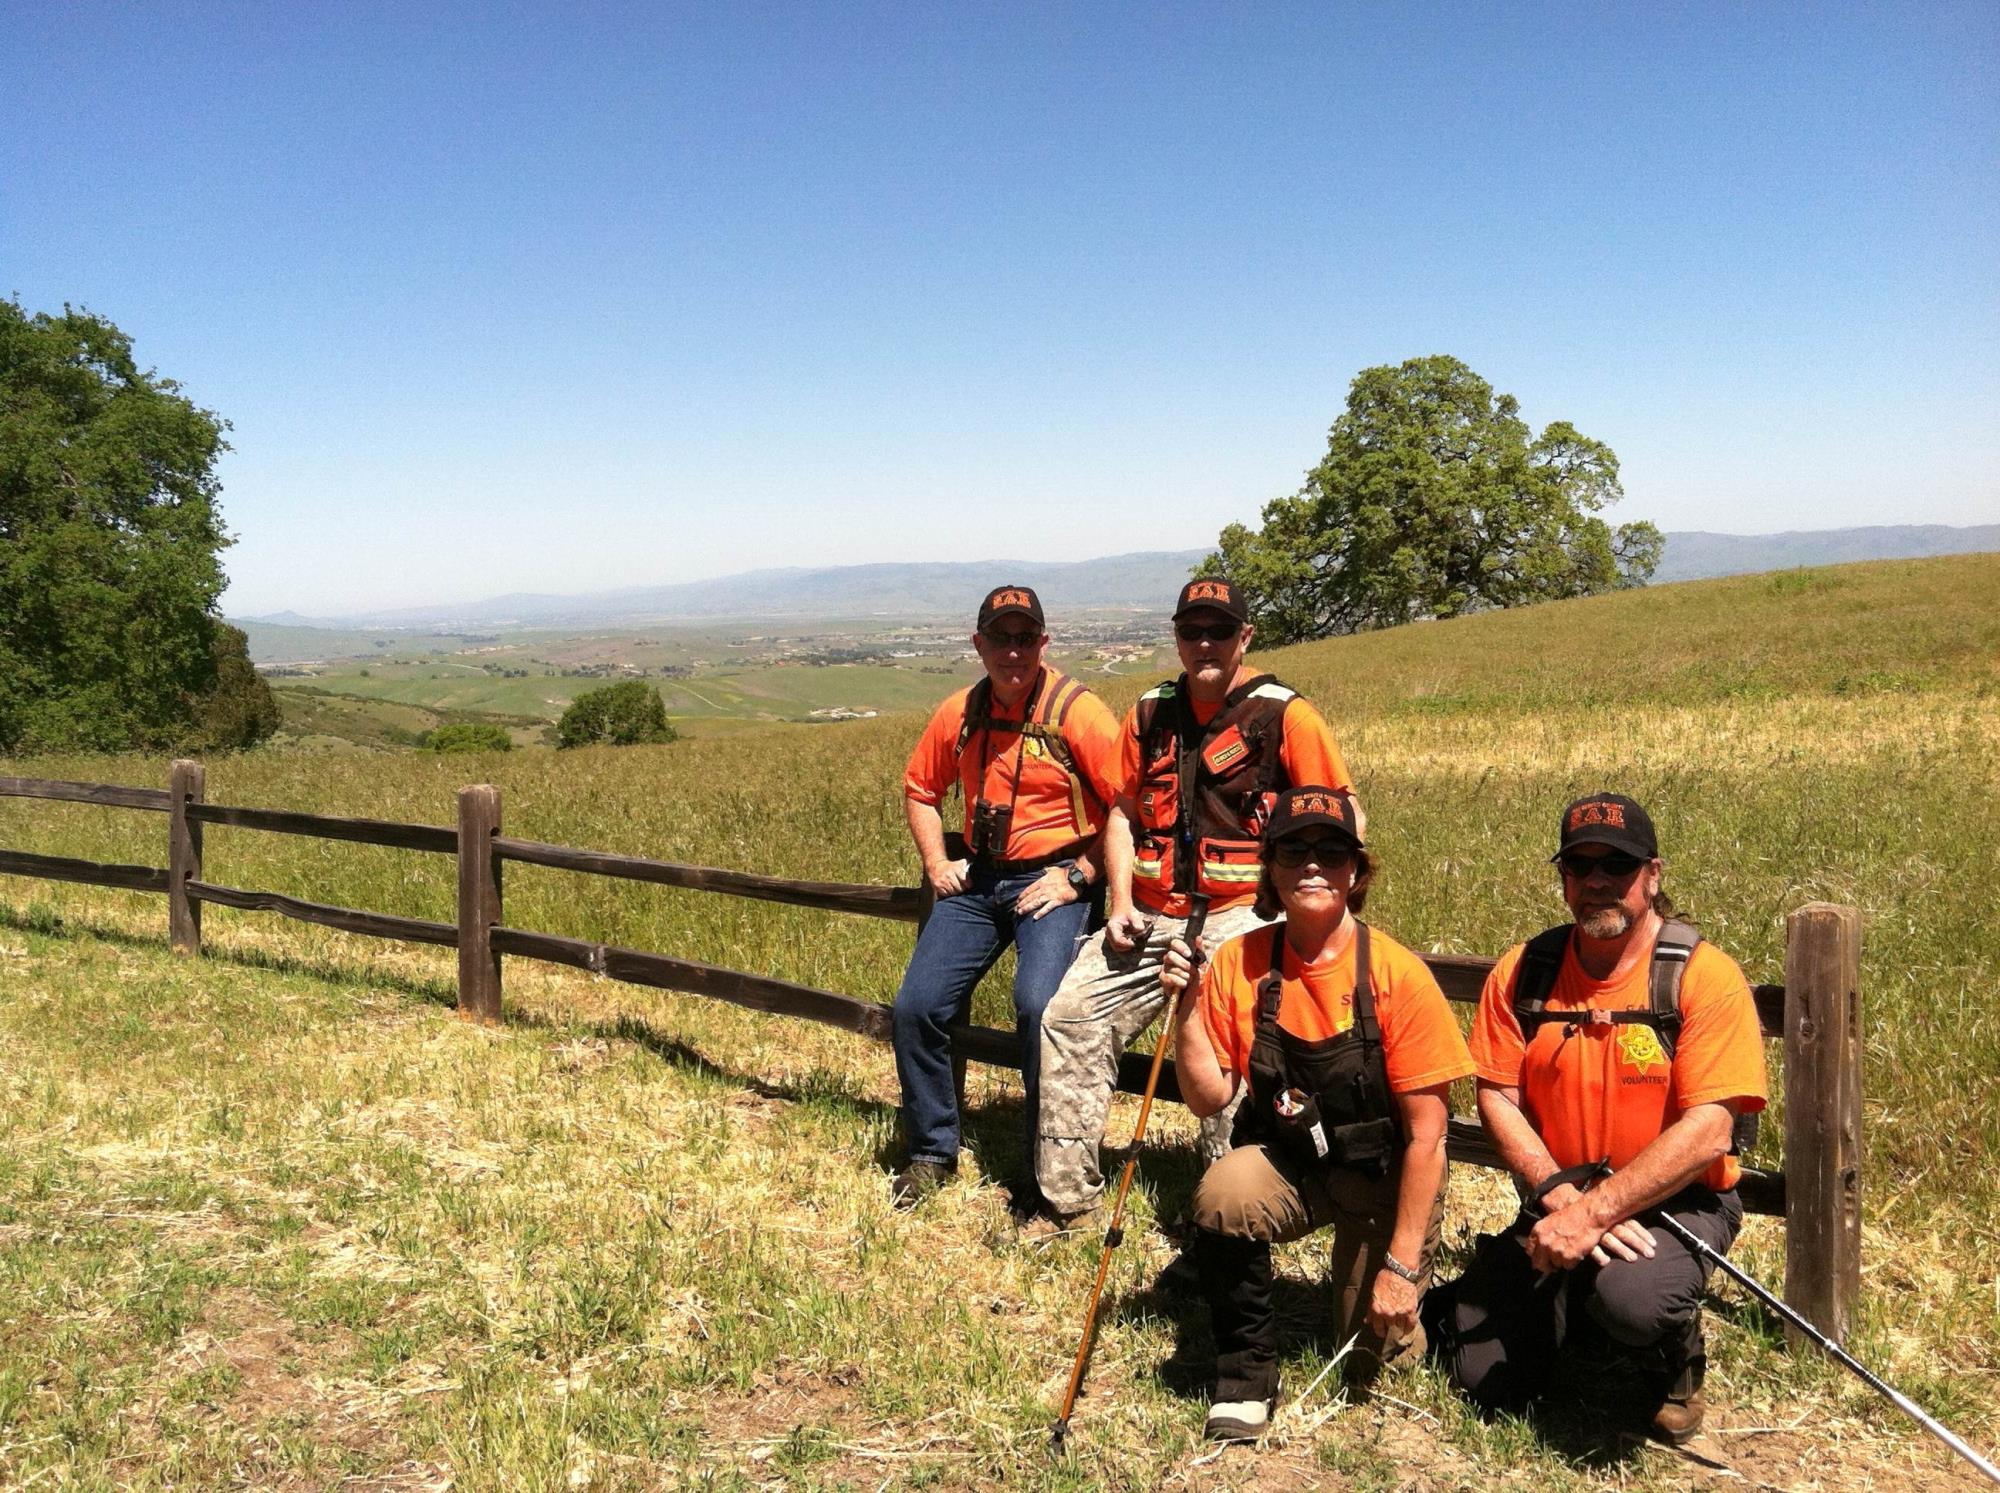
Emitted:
<point x="1678" y="1420"/>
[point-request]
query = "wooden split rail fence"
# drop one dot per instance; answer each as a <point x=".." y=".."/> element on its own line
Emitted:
<point x="1816" y="1012"/>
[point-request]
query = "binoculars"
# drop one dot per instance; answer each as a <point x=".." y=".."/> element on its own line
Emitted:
<point x="990" y="824"/>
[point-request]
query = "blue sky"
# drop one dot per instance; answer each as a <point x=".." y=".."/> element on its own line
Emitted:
<point x="560" y="298"/>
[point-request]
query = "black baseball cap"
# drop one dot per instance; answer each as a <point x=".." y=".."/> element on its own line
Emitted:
<point x="1004" y="599"/>
<point x="1214" y="594"/>
<point x="1311" y="807"/>
<point x="1608" y="819"/>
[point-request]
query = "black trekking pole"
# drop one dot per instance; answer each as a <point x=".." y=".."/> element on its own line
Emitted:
<point x="1874" y="1381"/>
<point x="1115" y="1234"/>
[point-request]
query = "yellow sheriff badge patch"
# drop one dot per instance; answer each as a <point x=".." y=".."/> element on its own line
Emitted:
<point x="1639" y="1048"/>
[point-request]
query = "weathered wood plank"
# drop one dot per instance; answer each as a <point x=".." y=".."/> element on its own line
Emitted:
<point x="347" y="919"/>
<point x="897" y="902"/>
<point x="110" y="795"/>
<point x="87" y="873"/>
<point x="478" y="903"/>
<point x="185" y="786"/>
<point x="1823" y="1115"/>
<point x="662" y="972"/>
<point x="430" y="837"/>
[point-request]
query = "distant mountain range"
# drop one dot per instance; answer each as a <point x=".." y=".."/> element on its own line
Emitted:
<point x="1694" y="555"/>
<point x="1143" y="581"/>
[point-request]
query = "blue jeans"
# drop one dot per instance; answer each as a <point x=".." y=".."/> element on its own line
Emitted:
<point x="960" y="943"/>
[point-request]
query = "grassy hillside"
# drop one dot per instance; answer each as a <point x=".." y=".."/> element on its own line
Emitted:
<point x="633" y="1240"/>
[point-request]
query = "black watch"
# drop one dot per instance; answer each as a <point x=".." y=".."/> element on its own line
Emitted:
<point x="1078" y="881"/>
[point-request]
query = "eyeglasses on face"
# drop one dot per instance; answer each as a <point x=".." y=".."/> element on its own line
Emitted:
<point x="1325" y="851"/>
<point x="1027" y="637"/>
<point x="1615" y="864"/>
<point x="1212" y="632"/>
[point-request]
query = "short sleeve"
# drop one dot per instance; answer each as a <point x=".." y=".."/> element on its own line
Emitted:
<point x="1095" y="741"/>
<point x="1129" y="766"/>
<point x="1225" y="1003"/>
<point x="933" y="764"/>
<point x="1309" y="753"/>
<point x="1498" y="1049"/>
<point x="1720" y="1053"/>
<point x="1421" y="1045"/>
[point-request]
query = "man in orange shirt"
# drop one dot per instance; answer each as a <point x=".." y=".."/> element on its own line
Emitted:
<point x="1202" y="761"/>
<point x="1618" y="1041"/>
<point x="1034" y="755"/>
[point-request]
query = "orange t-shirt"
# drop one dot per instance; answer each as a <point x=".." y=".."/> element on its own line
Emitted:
<point x="1052" y="813"/>
<point x="1308" y="753"/>
<point x="1421" y="1045"/>
<point x="1595" y="1091"/>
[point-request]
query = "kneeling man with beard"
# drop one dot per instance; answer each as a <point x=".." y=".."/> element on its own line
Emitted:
<point x="1618" y="1050"/>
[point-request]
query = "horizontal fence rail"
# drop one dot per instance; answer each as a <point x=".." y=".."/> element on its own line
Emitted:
<point x="1817" y="1020"/>
<point x="347" y="919"/>
<point x="903" y="903"/>
<point x="90" y="873"/>
<point x="109" y="795"/>
<point x="329" y="827"/>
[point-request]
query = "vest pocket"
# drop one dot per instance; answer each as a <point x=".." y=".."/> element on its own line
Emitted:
<point x="1153" y="862"/>
<point x="1230" y="867"/>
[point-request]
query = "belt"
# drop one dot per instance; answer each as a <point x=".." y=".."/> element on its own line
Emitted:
<point x="1032" y="863"/>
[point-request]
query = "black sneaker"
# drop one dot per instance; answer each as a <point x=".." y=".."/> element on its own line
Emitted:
<point x="918" y="1181"/>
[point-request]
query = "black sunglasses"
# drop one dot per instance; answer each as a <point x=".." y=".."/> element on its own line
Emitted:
<point x="1615" y="864"/>
<point x="1325" y="851"/>
<point x="1213" y="632"/>
<point x="1026" y="638"/>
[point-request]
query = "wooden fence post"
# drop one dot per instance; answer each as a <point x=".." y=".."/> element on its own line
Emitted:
<point x="1823" y="1115"/>
<point x="478" y="903"/>
<point x="185" y="785"/>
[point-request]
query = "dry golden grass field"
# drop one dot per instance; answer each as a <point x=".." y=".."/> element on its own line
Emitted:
<point x="278" y="1218"/>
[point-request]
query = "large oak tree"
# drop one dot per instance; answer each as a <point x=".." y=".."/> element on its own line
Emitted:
<point x="1434" y="499"/>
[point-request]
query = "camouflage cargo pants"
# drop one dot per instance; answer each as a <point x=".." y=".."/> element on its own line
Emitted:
<point x="1105" y="1001"/>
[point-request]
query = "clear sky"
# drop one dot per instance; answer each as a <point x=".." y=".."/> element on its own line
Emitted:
<point x="566" y="297"/>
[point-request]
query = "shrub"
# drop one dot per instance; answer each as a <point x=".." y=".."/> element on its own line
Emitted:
<point x="626" y="714"/>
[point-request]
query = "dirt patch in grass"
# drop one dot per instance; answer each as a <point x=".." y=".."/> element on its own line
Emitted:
<point x="246" y="1375"/>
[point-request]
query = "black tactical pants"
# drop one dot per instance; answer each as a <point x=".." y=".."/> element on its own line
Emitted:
<point x="1500" y="1326"/>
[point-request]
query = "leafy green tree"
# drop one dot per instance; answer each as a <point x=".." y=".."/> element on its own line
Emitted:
<point x="109" y="545"/>
<point x="1432" y="500"/>
<point x="469" y="736"/>
<point x="625" y="714"/>
<point x="239" y="709"/>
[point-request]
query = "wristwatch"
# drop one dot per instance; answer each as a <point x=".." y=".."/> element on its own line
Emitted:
<point x="1396" y="1267"/>
<point x="1078" y="881"/>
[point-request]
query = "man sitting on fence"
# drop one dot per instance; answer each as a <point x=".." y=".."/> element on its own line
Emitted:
<point x="1618" y="1047"/>
<point x="1202" y="761"/>
<point x="1034" y="755"/>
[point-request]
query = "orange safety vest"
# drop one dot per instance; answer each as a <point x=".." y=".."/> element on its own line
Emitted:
<point x="1206" y="792"/>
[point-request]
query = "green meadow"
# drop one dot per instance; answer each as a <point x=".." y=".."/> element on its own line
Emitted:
<point x="278" y="1218"/>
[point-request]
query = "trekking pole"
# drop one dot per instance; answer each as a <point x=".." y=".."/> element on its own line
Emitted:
<point x="1115" y="1234"/>
<point x="1875" y="1382"/>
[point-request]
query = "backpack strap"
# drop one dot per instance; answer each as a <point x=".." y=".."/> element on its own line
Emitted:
<point x="1535" y="978"/>
<point x="978" y="711"/>
<point x="1671" y="952"/>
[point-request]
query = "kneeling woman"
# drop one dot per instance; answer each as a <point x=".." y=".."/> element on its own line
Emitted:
<point x="1347" y="1047"/>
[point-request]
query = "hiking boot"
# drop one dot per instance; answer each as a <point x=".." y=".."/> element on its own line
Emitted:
<point x="918" y="1181"/>
<point x="1051" y="1223"/>
<point x="1238" y="1420"/>
<point x="1678" y="1420"/>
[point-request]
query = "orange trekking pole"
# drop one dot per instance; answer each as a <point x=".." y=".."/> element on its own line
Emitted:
<point x="1115" y="1234"/>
